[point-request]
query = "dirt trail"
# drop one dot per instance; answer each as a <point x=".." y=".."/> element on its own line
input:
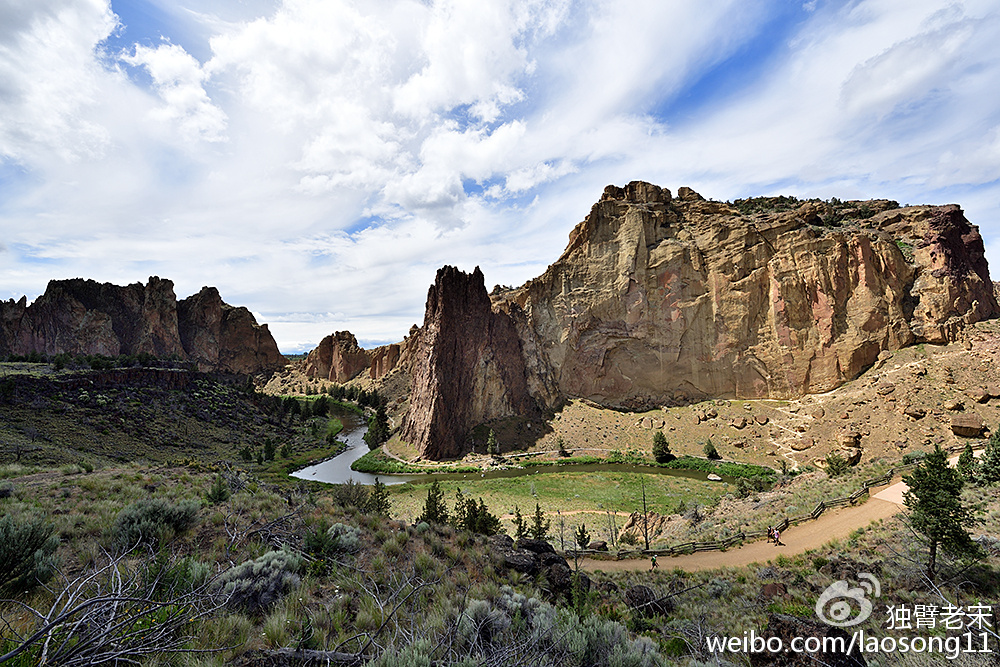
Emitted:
<point x="832" y="525"/>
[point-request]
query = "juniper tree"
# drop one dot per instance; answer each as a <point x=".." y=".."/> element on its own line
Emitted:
<point x="378" y="500"/>
<point x="539" y="525"/>
<point x="661" y="449"/>
<point x="435" y="510"/>
<point x="967" y="463"/>
<point x="937" y="512"/>
<point x="989" y="464"/>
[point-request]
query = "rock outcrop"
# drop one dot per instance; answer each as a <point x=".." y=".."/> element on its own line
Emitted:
<point x="659" y="299"/>
<point x="468" y="367"/>
<point x="86" y="317"/>
<point x="337" y="358"/>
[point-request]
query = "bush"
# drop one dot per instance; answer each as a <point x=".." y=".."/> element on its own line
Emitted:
<point x="711" y="452"/>
<point x="219" y="493"/>
<point x="661" y="449"/>
<point x="151" y="521"/>
<point x="836" y="465"/>
<point x="6" y="489"/>
<point x="27" y="548"/>
<point x="343" y="538"/>
<point x="254" y="586"/>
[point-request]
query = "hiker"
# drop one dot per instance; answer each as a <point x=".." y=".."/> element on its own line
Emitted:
<point x="653" y="559"/>
<point x="770" y="534"/>
<point x="777" y="538"/>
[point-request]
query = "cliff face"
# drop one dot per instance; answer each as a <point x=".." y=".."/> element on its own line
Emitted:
<point x="337" y="358"/>
<point x="85" y="317"/>
<point x="659" y="299"/>
<point x="468" y="367"/>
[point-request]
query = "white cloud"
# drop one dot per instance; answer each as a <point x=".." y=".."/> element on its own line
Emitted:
<point x="50" y="79"/>
<point x="179" y="80"/>
<point x="318" y="160"/>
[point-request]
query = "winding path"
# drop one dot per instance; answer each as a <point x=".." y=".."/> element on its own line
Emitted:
<point x="831" y="525"/>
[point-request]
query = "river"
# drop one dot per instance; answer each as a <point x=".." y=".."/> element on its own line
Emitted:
<point x="338" y="469"/>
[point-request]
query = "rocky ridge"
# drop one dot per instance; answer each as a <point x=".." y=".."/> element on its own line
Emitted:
<point x="660" y="300"/>
<point x="86" y="317"/>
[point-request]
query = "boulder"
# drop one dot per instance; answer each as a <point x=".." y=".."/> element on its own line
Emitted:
<point x="788" y="628"/>
<point x="968" y="425"/>
<point x="644" y="600"/>
<point x="914" y="412"/>
<point x="954" y="405"/>
<point x="523" y="561"/>
<point x="801" y="444"/>
<point x="535" y="546"/>
<point x="598" y="545"/>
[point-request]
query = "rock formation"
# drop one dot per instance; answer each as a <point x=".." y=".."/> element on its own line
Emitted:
<point x="467" y="368"/>
<point x="659" y="299"/>
<point x="86" y="317"/>
<point x="337" y="358"/>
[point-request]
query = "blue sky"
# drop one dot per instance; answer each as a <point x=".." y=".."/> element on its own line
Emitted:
<point x="318" y="160"/>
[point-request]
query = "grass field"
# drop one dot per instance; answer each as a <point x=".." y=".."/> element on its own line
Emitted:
<point x="581" y="497"/>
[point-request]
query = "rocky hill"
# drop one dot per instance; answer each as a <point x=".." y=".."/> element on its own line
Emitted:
<point x="663" y="300"/>
<point x="86" y="317"/>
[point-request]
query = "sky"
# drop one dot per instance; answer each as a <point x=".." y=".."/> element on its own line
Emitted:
<point x="319" y="160"/>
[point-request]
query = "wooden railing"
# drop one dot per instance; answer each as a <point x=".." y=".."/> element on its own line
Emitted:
<point x="740" y="538"/>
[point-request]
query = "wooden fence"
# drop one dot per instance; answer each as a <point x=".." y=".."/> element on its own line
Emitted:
<point x="739" y="538"/>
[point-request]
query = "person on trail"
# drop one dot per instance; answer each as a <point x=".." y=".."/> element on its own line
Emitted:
<point x="777" y="538"/>
<point x="770" y="534"/>
<point x="653" y="559"/>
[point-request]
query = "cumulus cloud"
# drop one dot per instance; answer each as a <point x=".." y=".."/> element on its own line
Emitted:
<point x="179" y="80"/>
<point x="50" y="79"/>
<point x="318" y="160"/>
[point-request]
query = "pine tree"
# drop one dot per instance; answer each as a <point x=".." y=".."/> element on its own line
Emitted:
<point x="989" y="464"/>
<point x="378" y="499"/>
<point x="967" y="464"/>
<point x="934" y="499"/>
<point x="540" y="525"/>
<point x="435" y="510"/>
<point x="520" y="525"/>
<point x="661" y="449"/>
<point x="378" y="429"/>
<point x="492" y="447"/>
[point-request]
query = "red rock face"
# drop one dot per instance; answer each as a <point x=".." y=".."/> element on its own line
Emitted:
<point x="468" y="367"/>
<point x="337" y="358"/>
<point x="85" y="317"/>
<point x="659" y="299"/>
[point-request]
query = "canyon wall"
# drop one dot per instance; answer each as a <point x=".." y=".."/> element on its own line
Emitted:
<point x="661" y="300"/>
<point x="86" y="317"/>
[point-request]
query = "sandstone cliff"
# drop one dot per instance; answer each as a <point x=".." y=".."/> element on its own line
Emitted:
<point x="659" y="299"/>
<point x="468" y="367"/>
<point x="86" y="317"/>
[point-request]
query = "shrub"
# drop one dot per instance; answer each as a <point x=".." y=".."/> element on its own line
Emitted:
<point x="836" y="465"/>
<point x="351" y="494"/>
<point x="6" y="489"/>
<point x="254" y="586"/>
<point x="661" y="449"/>
<point x="219" y="493"/>
<point x="711" y="452"/>
<point x="343" y="538"/>
<point x="150" y="521"/>
<point x="27" y="548"/>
